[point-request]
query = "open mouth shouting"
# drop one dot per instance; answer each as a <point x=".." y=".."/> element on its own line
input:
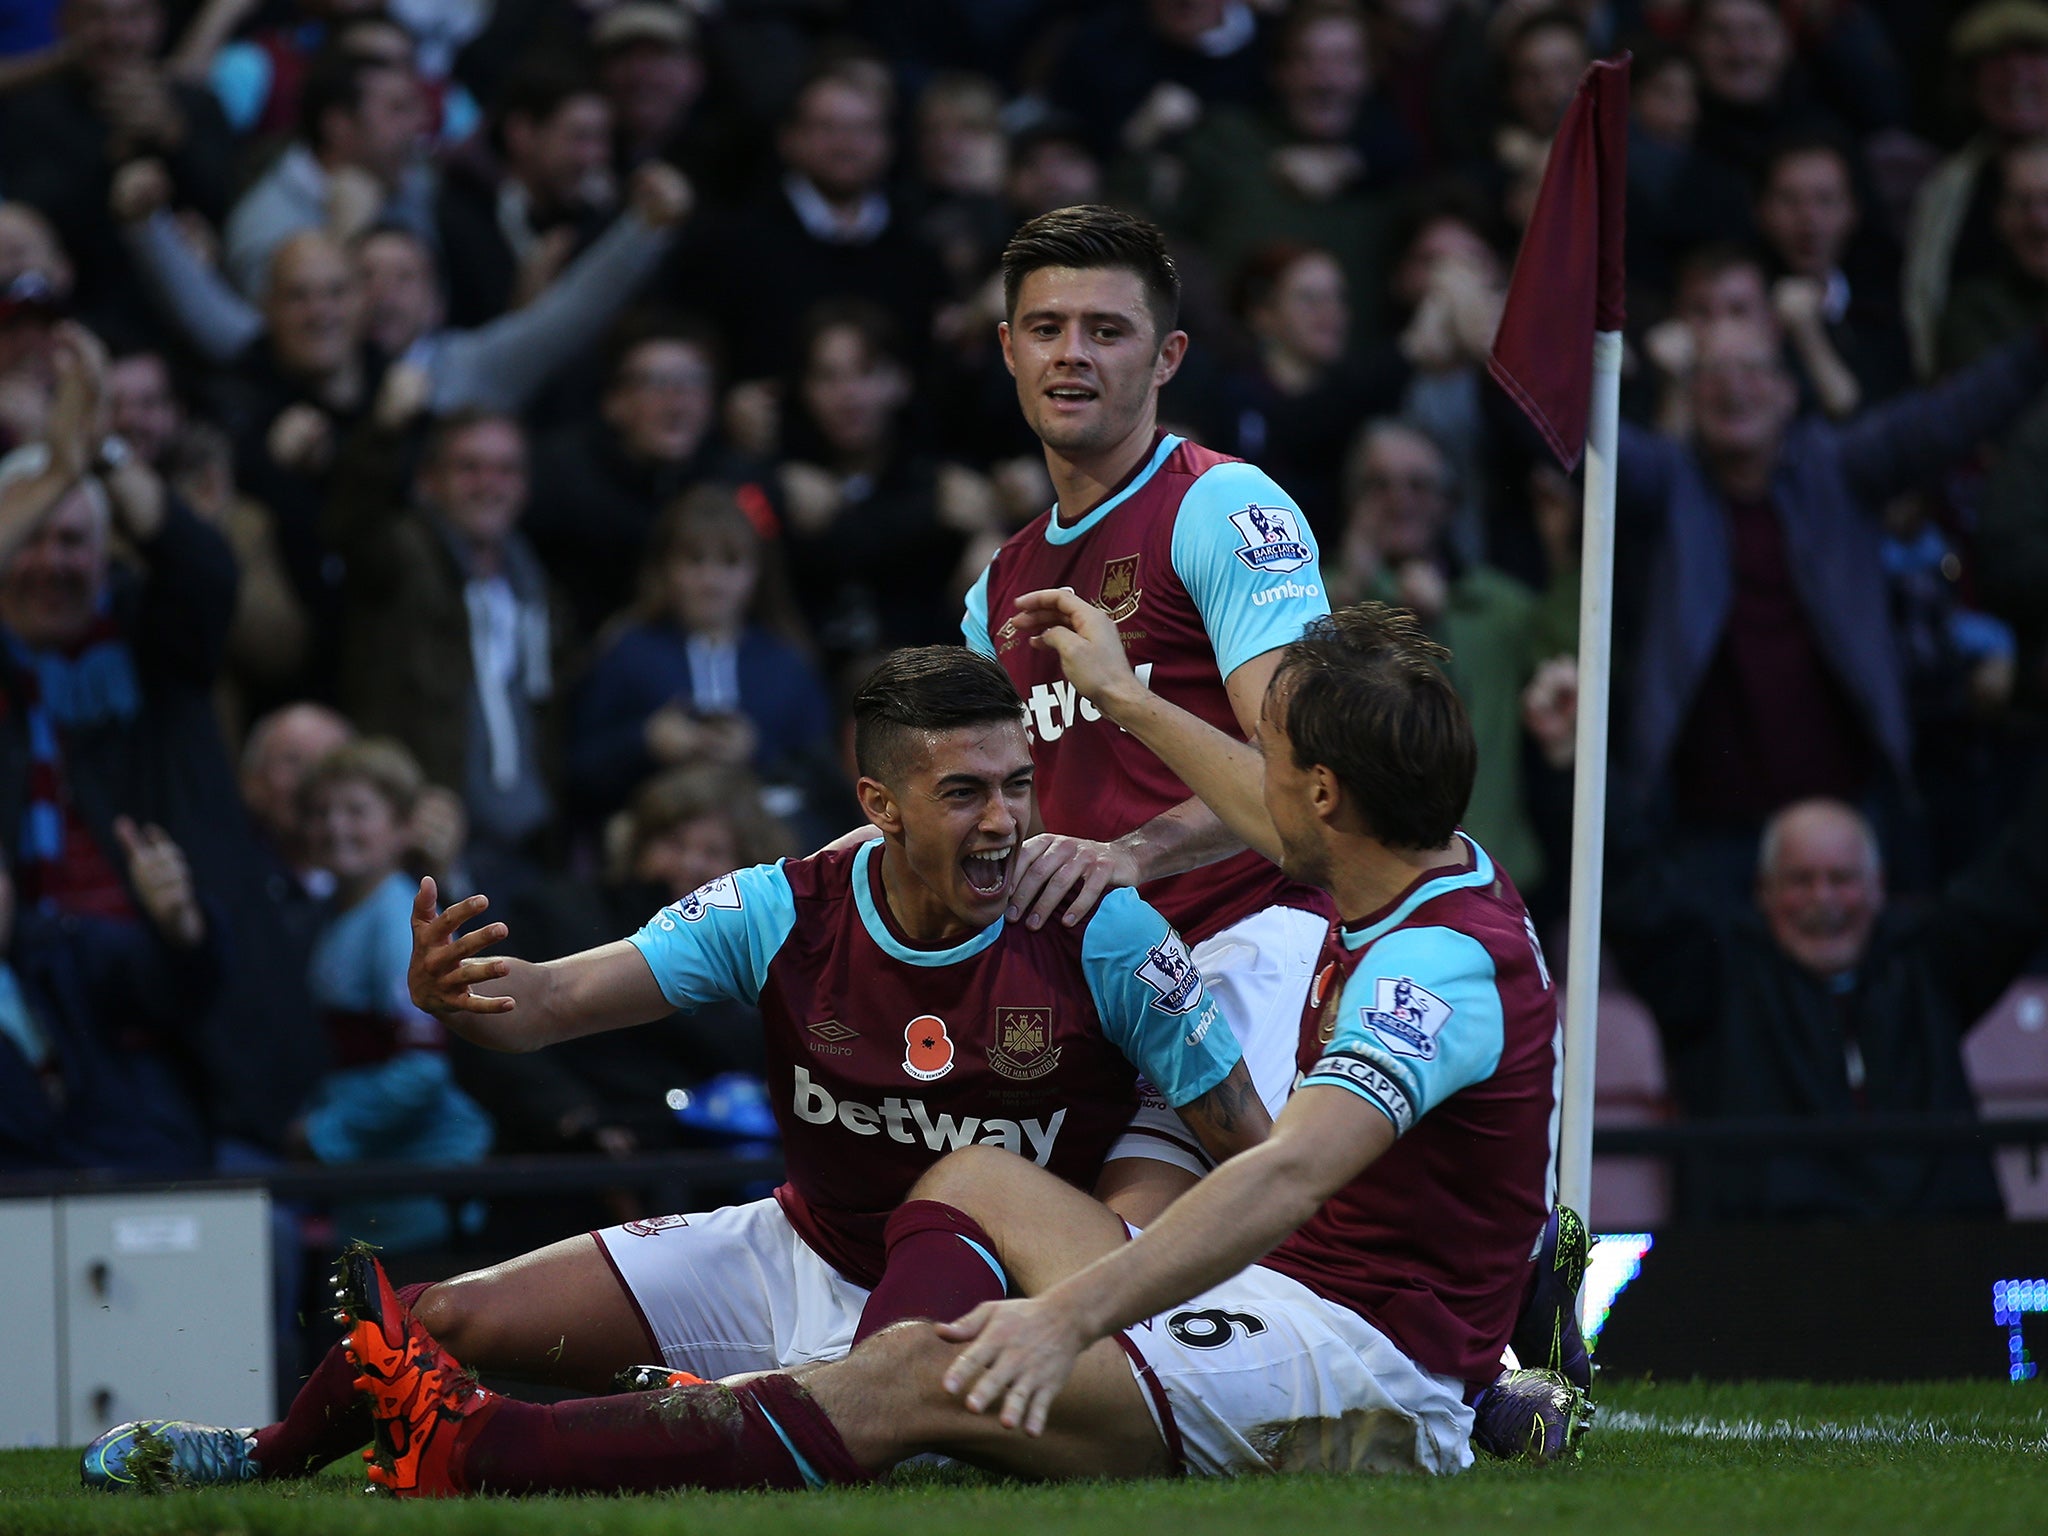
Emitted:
<point x="988" y="872"/>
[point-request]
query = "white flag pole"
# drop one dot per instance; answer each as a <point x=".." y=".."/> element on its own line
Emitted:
<point x="1589" y="781"/>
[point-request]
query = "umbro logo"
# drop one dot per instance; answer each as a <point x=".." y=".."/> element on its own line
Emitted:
<point x="829" y="1037"/>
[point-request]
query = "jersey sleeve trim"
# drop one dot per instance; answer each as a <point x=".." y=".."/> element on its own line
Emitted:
<point x="1421" y="1011"/>
<point x="1249" y="561"/>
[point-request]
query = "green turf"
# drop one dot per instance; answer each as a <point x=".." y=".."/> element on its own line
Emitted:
<point x="1714" y="1460"/>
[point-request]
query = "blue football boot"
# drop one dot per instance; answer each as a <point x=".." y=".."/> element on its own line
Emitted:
<point x="1531" y="1416"/>
<point x="156" y="1455"/>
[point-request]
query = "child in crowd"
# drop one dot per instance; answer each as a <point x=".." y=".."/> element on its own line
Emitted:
<point x="695" y="676"/>
<point x="391" y="1095"/>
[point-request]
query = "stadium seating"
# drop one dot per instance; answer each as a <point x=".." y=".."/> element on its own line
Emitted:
<point x="1630" y="1194"/>
<point x="2007" y="1057"/>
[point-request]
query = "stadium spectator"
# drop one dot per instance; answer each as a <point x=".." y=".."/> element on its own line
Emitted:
<point x="698" y="677"/>
<point x="35" y="289"/>
<point x="1294" y="409"/>
<point x="1144" y="70"/>
<point x="498" y="365"/>
<point x="1313" y="169"/>
<point x="1823" y="999"/>
<point x="61" y="140"/>
<point x="1765" y="666"/>
<point x="391" y="1094"/>
<point x="511" y="226"/>
<point x="450" y="639"/>
<point x="827" y="229"/>
<point x="97" y="1016"/>
<point x="653" y="73"/>
<point x="267" y="641"/>
<point x="1991" y="306"/>
<point x="961" y="158"/>
<point x="2002" y="46"/>
<point x="1752" y="90"/>
<point x="1432" y="56"/>
<point x="355" y="163"/>
<point x="1807" y="216"/>
<point x="1400" y="491"/>
<point x="281" y="749"/>
<point x="876" y="529"/>
<point x="598" y="486"/>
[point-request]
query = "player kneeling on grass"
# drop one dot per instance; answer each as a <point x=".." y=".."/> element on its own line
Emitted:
<point x="904" y="1019"/>
<point x="1331" y="1299"/>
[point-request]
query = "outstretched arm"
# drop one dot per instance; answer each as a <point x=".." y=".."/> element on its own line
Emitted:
<point x="1020" y="1353"/>
<point x="517" y="1005"/>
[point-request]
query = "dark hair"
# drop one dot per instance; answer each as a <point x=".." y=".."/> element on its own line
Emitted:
<point x="926" y="688"/>
<point x="1363" y="693"/>
<point x="1263" y="271"/>
<point x="1704" y="263"/>
<point x="537" y="90"/>
<point x="334" y="84"/>
<point x="1794" y="146"/>
<point x="1309" y="13"/>
<point x="1556" y="19"/>
<point x="1094" y="235"/>
<point x="639" y="327"/>
<point x="441" y="436"/>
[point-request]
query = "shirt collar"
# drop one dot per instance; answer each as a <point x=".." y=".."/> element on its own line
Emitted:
<point x="822" y="222"/>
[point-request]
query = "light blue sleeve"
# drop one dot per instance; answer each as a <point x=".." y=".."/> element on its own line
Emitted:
<point x="974" y="622"/>
<point x="1245" y="553"/>
<point x="1419" y="1020"/>
<point x="1152" y="1001"/>
<point x="717" y="941"/>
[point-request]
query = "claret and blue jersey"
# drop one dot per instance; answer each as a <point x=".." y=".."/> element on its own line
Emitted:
<point x="1440" y="1013"/>
<point x="1204" y="563"/>
<point x="884" y="1055"/>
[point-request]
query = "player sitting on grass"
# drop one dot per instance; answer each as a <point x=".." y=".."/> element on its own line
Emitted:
<point x="904" y="1019"/>
<point x="1331" y="1299"/>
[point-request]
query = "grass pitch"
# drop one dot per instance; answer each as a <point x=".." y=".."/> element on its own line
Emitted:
<point x="1715" y="1460"/>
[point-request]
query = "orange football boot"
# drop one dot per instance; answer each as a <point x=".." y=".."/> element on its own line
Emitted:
<point x="421" y="1398"/>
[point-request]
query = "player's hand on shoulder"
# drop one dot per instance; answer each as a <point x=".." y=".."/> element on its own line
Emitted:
<point x="444" y="965"/>
<point x="1019" y="1355"/>
<point x="1052" y="869"/>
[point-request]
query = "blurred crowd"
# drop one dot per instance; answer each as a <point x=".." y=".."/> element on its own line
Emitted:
<point x="490" y="438"/>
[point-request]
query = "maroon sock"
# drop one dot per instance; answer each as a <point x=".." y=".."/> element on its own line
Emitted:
<point x="766" y="1433"/>
<point x="328" y="1419"/>
<point x="941" y="1265"/>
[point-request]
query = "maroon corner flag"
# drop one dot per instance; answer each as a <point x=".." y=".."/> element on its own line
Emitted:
<point x="1568" y="274"/>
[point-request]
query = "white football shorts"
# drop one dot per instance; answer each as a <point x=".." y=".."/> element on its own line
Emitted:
<point x="1260" y="1374"/>
<point x="733" y="1290"/>
<point x="1259" y="969"/>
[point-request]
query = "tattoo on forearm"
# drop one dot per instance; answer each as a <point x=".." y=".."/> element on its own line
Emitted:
<point x="1230" y="1103"/>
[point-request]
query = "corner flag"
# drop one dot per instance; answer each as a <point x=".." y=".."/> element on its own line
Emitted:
<point x="1558" y="355"/>
<point x="1568" y="275"/>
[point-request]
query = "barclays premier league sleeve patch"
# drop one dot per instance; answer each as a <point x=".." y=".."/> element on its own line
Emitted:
<point x="722" y="894"/>
<point x="1272" y="541"/>
<point x="1405" y="1018"/>
<point x="1170" y="972"/>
